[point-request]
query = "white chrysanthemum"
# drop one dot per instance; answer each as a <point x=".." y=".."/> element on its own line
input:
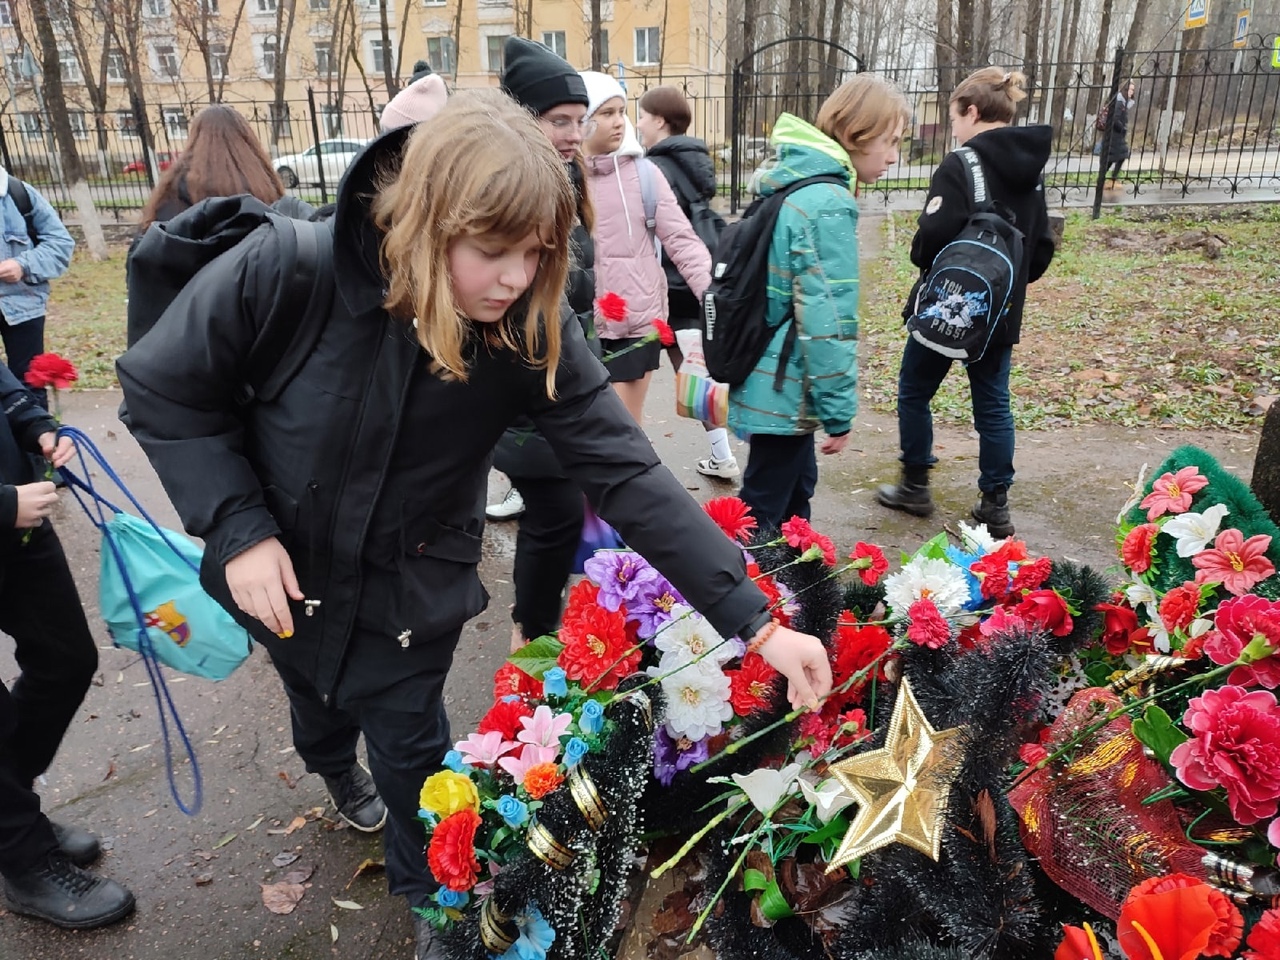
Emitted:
<point x="1194" y="531"/>
<point x="923" y="577"/>
<point x="697" y="697"/>
<point x="978" y="538"/>
<point x="687" y="636"/>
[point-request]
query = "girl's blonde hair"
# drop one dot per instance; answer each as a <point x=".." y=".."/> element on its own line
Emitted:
<point x="995" y="92"/>
<point x="861" y="109"/>
<point x="479" y="168"/>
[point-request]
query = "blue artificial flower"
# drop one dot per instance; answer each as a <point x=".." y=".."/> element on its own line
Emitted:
<point x="452" y="898"/>
<point x="553" y="683"/>
<point x="591" y="719"/>
<point x="536" y="937"/>
<point x="513" y="811"/>
<point x="453" y="760"/>
<point x="963" y="561"/>
<point x="574" y="751"/>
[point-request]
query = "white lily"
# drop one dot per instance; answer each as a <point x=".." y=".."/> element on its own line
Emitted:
<point x="1138" y="487"/>
<point x="978" y="537"/>
<point x="1199" y="627"/>
<point x="829" y="797"/>
<point x="1194" y="531"/>
<point x="1139" y="593"/>
<point x="766" y="786"/>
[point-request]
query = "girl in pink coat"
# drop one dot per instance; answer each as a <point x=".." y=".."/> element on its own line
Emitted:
<point x="626" y="244"/>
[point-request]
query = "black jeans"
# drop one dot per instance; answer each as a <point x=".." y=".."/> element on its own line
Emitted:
<point x="781" y="475"/>
<point x="550" y="531"/>
<point x="22" y="342"/>
<point x="40" y="609"/>
<point x="405" y="747"/>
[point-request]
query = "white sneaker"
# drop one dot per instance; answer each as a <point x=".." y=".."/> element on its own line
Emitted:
<point x="726" y="469"/>
<point x="510" y="507"/>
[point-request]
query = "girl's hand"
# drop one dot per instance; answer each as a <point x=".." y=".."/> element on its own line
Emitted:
<point x="57" y="450"/>
<point x="35" y="502"/>
<point x="835" y="444"/>
<point x="802" y="659"/>
<point x="262" y="583"/>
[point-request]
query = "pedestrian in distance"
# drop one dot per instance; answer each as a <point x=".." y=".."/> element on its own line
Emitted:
<point x="1114" y="124"/>
<point x="983" y="108"/>
<point x="342" y="519"/>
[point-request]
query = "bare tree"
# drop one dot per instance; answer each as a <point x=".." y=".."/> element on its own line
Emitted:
<point x="1137" y="25"/>
<point x="1101" y="58"/>
<point x="829" y="71"/>
<point x="286" y="11"/>
<point x="342" y="18"/>
<point x="94" y="72"/>
<point x="1031" y="41"/>
<point x="944" y="50"/>
<point x="596" y="61"/>
<point x="388" y="67"/>
<point x="404" y="33"/>
<point x="199" y="21"/>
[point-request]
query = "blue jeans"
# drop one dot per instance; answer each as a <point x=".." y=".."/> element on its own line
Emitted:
<point x="921" y="374"/>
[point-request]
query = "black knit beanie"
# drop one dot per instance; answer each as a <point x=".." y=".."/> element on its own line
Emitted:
<point x="420" y="69"/>
<point x="537" y="78"/>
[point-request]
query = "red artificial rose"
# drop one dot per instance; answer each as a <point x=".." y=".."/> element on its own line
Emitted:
<point x="50" y="370"/>
<point x="451" y="855"/>
<point x="732" y="516"/>
<point x="751" y="687"/>
<point x="1135" y="551"/>
<point x="612" y="307"/>
<point x="504" y="716"/>
<point x="1119" y="624"/>
<point x="1264" y="938"/>
<point x="1178" y="607"/>
<point x="769" y="587"/>
<point x="599" y="650"/>
<point x="856" y="648"/>
<point x="1032" y="575"/>
<point x="1046" y="611"/>
<point x="511" y="680"/>
<point x="1224" y="928"/>
<point x="666" y="336"/>
<point x="928" y="627"/>
<point x="877" y="567"/>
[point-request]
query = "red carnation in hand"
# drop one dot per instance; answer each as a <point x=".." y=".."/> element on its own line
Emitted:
<point x="504" y="716"/>
<point x="451" y="854"/>
<point x="612" y="307"/>
<point x="751" y="687"/>
<point x="857" y="647"/>
<point x="50" y="370"/>
<point x="599" y="649"/>
<point x="876" y="564"/>
<point x="928" y="627"/>
<point x="666" y="336"/>
<point x="769" y="587"/>
<point x="732" y="516"/>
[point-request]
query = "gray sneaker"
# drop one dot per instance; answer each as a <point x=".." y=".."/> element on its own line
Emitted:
<point x="508" y="508"/>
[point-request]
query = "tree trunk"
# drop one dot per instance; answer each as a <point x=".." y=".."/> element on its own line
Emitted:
<point x="231" y="45"/>
<point x="1137" y="25"/>
<point x="944" y="52"/>
<point x="1101" y="60"/>
<point x="284" y="31"/>
<point x="837" y="28"/>
<point x="964" y="32"/>
<point x="596" y="62"/>
<point x="1031" y="45"/>
<point x="389" y="69"/>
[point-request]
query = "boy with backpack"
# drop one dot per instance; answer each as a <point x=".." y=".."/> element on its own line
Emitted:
<point x="1000" y="174"/>
<point x="801" y="373"/>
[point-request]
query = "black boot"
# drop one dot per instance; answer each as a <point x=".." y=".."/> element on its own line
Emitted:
<point x="357" y="800"/>
<point x="80" y="846"/>
<point x="993" y="510"/>
<point x="910" y="495"/>
<point x="55" y="889"/>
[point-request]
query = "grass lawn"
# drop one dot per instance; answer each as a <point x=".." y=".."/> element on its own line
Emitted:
<point x="1123" y="329"/>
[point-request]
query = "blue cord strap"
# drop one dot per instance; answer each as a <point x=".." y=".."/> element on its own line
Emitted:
<point x="97" y="508"/>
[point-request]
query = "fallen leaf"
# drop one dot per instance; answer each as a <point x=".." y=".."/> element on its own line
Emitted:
<point x="204" y="879"/>
<point x="368" y="865"/>
<point x="224" y="841"/>
<point x="333" y="933"/>
<point x="347" y="905"/>
<point x="297" y="823"/>
<point x="284" y="859"/>
<point x="281" y="898"/>
<point x="255" y="824"/>
<point x="289" y="781"/>
<point x="150" y="813"/>
<point x="204" y="855"/>
<point x="674" y="916"/>
<point x="111" y="771"/>
<point x="301" y="875"/>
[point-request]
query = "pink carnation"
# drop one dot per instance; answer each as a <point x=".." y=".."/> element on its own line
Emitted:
<point x="928" y="628"/>
<point x="1239" y="621"/>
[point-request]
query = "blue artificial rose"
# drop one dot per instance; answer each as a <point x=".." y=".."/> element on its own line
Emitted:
<point x="574" y="751"/>
<point x="513" y="811"/>
<point x="452" y="898"/>
<point x="591" y="719"/>
<point x="553" y="683"/>
<point x="453" y="760"/>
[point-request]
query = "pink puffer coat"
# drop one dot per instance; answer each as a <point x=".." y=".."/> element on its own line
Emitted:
<point x="626" y="262"/>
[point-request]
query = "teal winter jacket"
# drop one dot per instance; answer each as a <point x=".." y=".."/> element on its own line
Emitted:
<point x="813" y="277"/>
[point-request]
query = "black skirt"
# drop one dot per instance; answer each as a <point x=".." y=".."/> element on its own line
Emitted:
<point x="628" y="359"/>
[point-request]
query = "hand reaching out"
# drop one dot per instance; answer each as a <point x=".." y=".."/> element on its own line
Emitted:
<point x="802" y="659"/>
<point x="262" y="583"/>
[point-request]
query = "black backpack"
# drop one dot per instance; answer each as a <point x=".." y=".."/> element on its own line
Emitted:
<point x="735" y="329"/>
<point x="962" y="297"/>
<point x="706" y="223"/>
<point x="22" y="200"/>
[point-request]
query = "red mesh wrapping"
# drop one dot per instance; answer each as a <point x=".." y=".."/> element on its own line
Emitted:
<point x="1082" y="814"/>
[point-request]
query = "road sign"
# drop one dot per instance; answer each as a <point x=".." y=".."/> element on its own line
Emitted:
<point x="1242" y="30"/>
<point x="1197" y="14"/>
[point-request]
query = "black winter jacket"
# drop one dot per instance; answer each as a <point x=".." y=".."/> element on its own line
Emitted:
<point x="686" y="163"/>
<point x="310" y="465"/>
<point x="25" y="422"/>
<point x="1116" y="137"/>
<point x="1013" y="160"/>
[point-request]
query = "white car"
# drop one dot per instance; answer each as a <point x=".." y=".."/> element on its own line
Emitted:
<point x="302" y="168"/>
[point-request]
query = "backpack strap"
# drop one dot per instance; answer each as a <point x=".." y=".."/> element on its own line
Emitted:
<point x="649" y="198"/>
<point x="977" y="178"/>
<point x="22" y="200"/>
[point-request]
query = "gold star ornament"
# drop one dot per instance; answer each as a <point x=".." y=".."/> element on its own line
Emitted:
<point x="902" y="788"/>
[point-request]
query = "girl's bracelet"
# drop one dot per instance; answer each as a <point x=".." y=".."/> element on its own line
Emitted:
<point x="763" y="636"/>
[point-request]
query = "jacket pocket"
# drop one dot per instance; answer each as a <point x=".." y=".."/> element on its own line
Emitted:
<point x="437" y="588"/>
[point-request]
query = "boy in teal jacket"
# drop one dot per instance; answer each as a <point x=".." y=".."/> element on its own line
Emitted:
<point x="813" y="283"/>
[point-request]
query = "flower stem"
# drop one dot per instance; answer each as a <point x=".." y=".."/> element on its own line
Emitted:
<point x="692" y="842"/>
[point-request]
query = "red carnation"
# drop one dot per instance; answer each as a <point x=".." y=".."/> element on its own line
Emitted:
<point x="1264" y="938"/>
<point x="511" y="680"/>
<point x="928" y="627"/>
<point x="1046" y="611"/>
<point x="666" y="336"/>
<point x="751" y="687"/>
<point x="1119" y="624"/>
<point x="732" y="516"/>
<point x="599" y="649"/>
<point x="1135" y="551"/>
<point x="857" y="719"/>
<point x="813" y="726"/>
<point x="875" y="569"/>
<point x="992" y="572"/>
<point x="504" y="716"/>
<point x="798" y="533"/>
<point x="856" y="648"/>
<point x="50" y="370"/>
<point x="769" y="587"/>
<point x="612" y="307"/>
<point x="1178" y="607"/>
<point x="451" y="855"/>
<point x="1031" y="576"/>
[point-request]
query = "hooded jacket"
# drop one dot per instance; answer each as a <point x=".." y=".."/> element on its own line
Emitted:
<point x="626" y="262"/>
<point x="47" y="260"/>
<point x="390" y="554"/>
<point x="813" y="283"/>
<point x="1013" y="160"/>
<point x="686" y="163"/>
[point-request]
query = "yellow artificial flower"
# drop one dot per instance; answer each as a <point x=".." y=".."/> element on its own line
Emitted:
<point x="446" y="792"/>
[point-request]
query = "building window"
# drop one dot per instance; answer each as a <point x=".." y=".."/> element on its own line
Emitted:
<point x="6" y="14"/>
<point x="164" y="60"/>
<point x="79" y="129"/>
<point x="647" y="46"/>
<point x="441" y="54"/>
<point x="331" y="119"/>
<point x="267" y="58"/>
<point x="280" y="123"/>
<point x="69" y="64"/>
<point x="378" y="56"/>
<point x="126" y="124"/>
<point x="175" y="122"/>
<point x="155" y="8"/>
<point x="319" y="4"/>
<point x="209" y="7"/>
<point x="554" y="40"/>
<point x="606" y="10"/>
<point x="116" y="66"/>
<point x="604" y="46"/>
<point x="13" y="67"/>
<point x="218" y="61"/>
<point x="324" y="59"/>
<point x="30" y="125"/>
<point x="266" y="6"/>
<point x="493" y="51"/>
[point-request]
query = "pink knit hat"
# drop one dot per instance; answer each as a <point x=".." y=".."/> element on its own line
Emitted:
<point x="420" y="100"/>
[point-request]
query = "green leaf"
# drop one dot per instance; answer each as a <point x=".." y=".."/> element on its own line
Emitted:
<point x="1155" y="728"/>
<point x="935" y="549"/>
<point x="538" y="656"/>
<point x="773" y="904"/>
<point x="835" y="828"/>
<point x="753" y="880"/>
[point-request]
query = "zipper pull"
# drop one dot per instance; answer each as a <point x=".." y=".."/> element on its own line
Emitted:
<point x="310" y="606"/>
<point x="404" y="638"/>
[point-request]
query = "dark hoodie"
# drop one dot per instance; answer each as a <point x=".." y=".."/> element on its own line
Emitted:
<point x="686" y="163"/>
<point x="1013" y="160"/>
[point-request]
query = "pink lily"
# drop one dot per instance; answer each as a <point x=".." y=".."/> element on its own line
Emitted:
<point x="530" y="756"/>
<point x="484" y="749"/>
<point x="544" y="728"/>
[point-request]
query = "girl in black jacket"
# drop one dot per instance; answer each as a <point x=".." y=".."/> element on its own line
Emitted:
<point x="343" y="516"/>
<point x="982" y="110"/>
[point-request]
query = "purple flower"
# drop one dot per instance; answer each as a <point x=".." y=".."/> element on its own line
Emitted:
<point x="653" y="604"/>
<point x="671" y="756"/>
<point x="622" y="575"/>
